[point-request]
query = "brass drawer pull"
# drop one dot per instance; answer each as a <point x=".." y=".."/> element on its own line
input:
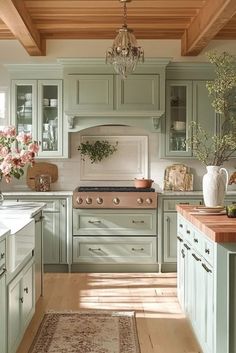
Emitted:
<point x="137" y="222"/>
<point x="95" y="249"/>
<point x="183" y="254"/>
<point x="181" y="225"/>
<point x="206" y="268"/>
<point x="195" y="240"/>
<point x="26" y="290"/>
<point x="180" y="239"/>
<point x="184" y="203"/>
<point x="137" y="249"/>
<point x="196" y="258"/>
<point x="22" y="300"/>
<point x="94" y="222"/>
<point x="188" y="232"/>
<point x="2" y="255"/>
<point x="207" y="251"/>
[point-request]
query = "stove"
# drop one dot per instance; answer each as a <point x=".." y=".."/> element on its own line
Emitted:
<point x="114" y="197"/>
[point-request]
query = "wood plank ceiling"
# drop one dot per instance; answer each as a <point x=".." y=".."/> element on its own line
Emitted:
<point x="195" y="22"/>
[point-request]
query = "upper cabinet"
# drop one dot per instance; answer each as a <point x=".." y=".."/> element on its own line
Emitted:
<point x="90" y="92"/>
<point x="97" y="93"/>
<point x="37" y="108"/>
<point x="178" y="117"/>
<point x="138" y="92"/>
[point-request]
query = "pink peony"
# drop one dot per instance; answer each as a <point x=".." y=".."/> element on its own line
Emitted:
<point x="5" y="167"/>
<point x="24" y="138"/>
<point x="9" y="131"/>
<point x="33" y="147"/>
<point x="3" y="151"/>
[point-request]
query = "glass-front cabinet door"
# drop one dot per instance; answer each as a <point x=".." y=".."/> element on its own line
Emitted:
<point x="178" y="117"/>
<point x="37" y="108"/>
<point x="50" y="117"/>
<point x="24" y="106"/>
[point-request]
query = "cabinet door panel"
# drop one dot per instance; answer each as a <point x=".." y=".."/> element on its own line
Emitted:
<point x="14" y="308"/>
<point x="90" y="93"/>
<point x="27" y="294"/>
<point x="178" y="117"/>
<point x="138" y="92"/>
<point x="24" y="106"/>
<point x="170" y="237"/>
<point x="51" y="235"/>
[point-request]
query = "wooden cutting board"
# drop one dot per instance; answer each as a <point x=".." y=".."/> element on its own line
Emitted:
<point x="40" y="168"/>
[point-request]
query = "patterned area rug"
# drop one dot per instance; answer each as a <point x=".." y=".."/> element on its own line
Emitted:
<point x="87" y="332"/>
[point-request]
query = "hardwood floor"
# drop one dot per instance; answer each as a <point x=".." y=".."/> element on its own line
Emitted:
<point x="162" y="328"/>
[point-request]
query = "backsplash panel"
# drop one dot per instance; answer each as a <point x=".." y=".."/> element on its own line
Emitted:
<point x="69" y="169"/>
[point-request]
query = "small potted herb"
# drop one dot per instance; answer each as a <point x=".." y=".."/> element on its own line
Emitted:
<point x="97" y="151"/>
<point x="231" y="210"/>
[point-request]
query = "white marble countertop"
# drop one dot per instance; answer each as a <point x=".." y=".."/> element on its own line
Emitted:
<point x="20" y="209"/>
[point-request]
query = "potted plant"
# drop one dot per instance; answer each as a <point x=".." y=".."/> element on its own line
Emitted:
<point x="97" y="151"/>
<point x="214" y="150"/>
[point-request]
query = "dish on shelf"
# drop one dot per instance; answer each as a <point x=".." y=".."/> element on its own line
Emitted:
<point x="212" y="210"/>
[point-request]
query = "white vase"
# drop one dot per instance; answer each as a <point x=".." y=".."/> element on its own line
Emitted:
<point x="214" y="185"/>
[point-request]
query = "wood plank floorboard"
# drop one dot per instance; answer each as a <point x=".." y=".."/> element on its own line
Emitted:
<point x="162" y="327"/>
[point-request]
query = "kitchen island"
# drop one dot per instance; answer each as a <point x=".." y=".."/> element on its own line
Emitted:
<point x="20" y="269"/>
<point x="206" y="262"/>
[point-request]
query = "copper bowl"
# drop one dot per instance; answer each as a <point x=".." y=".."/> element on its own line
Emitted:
<point x="143" y="183"/>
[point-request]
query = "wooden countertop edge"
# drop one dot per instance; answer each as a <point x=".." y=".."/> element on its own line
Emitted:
<point x="219" y="228"/>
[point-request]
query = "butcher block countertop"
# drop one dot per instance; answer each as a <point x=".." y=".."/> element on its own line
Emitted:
<point x="218" y="228"/>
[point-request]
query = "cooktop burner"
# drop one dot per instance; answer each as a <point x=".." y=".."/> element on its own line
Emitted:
<point x="113" y="188"/>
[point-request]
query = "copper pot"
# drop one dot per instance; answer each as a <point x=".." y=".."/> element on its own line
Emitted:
<point x="143" y="183"/>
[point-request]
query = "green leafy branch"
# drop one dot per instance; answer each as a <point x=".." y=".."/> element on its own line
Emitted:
<point x="97" y="151"/>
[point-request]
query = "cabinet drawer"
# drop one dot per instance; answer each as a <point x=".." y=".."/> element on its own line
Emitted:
<point x="114" y="250"/>
<point x="114" y="223"/>
<point x="2" y="254"/>
<point x="169" y="205"/>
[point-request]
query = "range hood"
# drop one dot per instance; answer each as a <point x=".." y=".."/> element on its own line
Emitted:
<point x="146" y="120"/>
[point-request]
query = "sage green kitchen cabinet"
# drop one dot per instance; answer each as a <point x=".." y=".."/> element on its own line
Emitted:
<point x="21" y="305"/>
<point x="55" y="232"/>
<point x="169" y="236"/>
<point x="115" y="240"/>
<point x="186" y="101"/>
<point x="203" y="287"/>
<point x="93" y="93"/>
<point x="36" y="107"/>
<point x="56" y="224"/>
<point x="138" y="92"/>
<point x="167" y="223"/>
<point x="90" y="92"/>
<point x="178" y="118"/>
<point x="3" y="303"/>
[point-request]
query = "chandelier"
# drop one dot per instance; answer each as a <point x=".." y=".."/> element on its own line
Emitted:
<point x="125" y="52"/>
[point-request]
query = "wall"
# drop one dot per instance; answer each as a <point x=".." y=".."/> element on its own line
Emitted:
<point x="12" y="52"/>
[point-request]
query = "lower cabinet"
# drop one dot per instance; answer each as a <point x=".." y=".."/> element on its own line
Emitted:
<point x="21" y="305"/>
<point x="196" y="282"/>
<point x="167" y="225"/>
<point x="115" y="240"/>
<point x="56" y="229"/>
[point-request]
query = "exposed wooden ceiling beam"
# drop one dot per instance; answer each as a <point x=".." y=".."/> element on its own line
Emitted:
<point x="209" y="21"/>
<point x="15" y="16"/>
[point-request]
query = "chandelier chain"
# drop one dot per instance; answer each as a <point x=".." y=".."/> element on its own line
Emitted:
<point x="125" y="14"/>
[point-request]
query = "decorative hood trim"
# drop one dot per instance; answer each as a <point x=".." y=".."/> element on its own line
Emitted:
<point x="150" y="121"/>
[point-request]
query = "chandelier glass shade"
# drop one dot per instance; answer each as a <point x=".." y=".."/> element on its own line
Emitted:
<point x="125" y="52"/>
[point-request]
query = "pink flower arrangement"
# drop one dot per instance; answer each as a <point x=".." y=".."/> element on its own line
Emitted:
<point x="15" y="152"/>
